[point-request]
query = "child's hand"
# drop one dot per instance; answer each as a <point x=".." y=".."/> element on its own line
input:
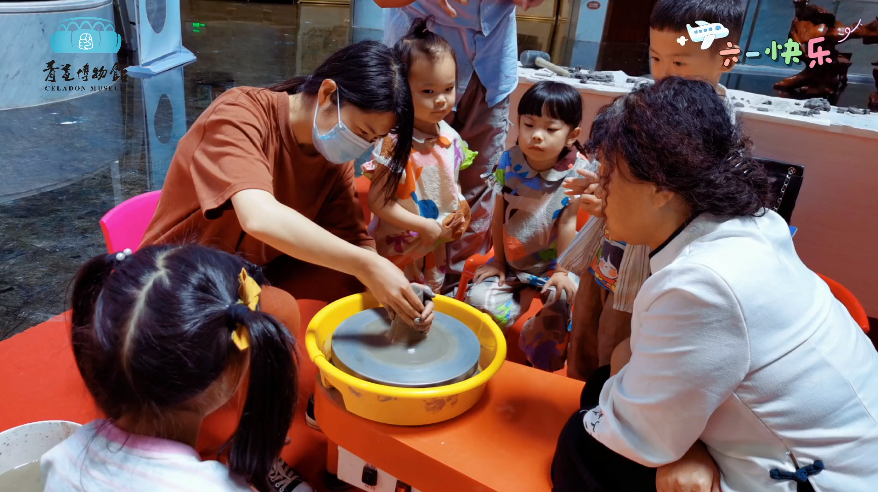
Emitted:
<point x="489" y="270"/>
<point x="431" y="232"/>
<point x="457" y="222"/>
<point x="586" y="185"/>
<point x="561" y="282"/>
<point x="592" y="205"/>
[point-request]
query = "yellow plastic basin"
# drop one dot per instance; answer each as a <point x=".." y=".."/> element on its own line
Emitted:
<point x="404" y="406"/>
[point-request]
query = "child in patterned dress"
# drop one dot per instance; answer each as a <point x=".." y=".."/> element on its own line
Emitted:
<point x="419" y="209"/>
<point x="534" y="221"/>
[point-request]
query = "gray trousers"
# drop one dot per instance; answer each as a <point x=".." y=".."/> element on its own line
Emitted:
<point x="484" y="129"/>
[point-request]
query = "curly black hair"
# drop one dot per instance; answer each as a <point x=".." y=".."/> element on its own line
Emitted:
<point x="678" y="135"/>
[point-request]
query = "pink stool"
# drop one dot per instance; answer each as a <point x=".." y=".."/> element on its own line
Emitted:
<point x="125" y="225"/>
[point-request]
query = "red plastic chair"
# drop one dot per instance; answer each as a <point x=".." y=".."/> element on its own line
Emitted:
<point x="125" y="224"/>
<point x="847" y="298"/>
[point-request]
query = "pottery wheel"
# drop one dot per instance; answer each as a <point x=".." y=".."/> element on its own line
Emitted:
<point x="448" y="354"/>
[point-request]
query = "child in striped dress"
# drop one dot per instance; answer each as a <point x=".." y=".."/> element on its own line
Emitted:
<point x="534" y="221"/>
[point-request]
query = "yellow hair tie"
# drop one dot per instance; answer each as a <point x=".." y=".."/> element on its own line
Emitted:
<point x="248" y="292"/>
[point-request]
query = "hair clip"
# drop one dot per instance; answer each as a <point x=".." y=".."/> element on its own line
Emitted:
<point x="248" y="293"/>
<point x="124" y="254"/>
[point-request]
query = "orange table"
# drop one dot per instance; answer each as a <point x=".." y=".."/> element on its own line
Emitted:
<point x="506" y="442"/>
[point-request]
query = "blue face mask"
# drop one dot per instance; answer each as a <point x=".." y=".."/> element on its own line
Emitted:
<point x="340" y="144"/>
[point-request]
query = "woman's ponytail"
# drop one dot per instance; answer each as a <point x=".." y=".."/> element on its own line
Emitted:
<point x="290" y="86"/>
<point x="272" y="394"/>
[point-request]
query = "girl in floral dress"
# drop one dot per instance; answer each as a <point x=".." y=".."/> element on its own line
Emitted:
<point x="420" y="208"/>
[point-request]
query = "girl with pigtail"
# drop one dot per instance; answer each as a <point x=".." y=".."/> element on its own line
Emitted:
<point x="162" y="338"/>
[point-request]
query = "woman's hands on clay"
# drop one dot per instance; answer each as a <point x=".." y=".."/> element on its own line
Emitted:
<point x="694" y="472"/>
<point x="561" y="282"/>
<point x="488" y="270"/>
<point x="585" y="186"/>
<point x="391" y="288"/>
<point x="424" y="321"/>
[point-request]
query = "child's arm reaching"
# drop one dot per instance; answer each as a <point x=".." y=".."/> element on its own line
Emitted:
<point x="566" y="232"/>
<point x="429" y="230"/>
<point x="496" y="268"/>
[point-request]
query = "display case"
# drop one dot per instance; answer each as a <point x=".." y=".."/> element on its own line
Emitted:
<point x="544" y="28"/>
<point x="850" y="32"/>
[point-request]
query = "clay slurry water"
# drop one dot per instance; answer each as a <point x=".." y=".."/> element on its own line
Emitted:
<point x="448" y="354"/>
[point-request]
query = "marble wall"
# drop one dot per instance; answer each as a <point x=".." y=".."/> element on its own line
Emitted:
<point x="26" y="29"/>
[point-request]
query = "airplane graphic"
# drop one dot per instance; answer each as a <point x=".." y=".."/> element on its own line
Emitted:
<point x="706" y="33"/>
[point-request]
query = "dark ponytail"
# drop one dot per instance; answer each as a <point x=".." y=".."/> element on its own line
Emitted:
<point x="87" y="286"/>
<point x="420" y="41"/>
<point x="271" y="396"/>
<point x="153" y="331"/>
<point x="372" y="78"/>
<point x="678" y="134"/>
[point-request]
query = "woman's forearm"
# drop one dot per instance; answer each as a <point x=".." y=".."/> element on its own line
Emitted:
<point x="290" y="232"/>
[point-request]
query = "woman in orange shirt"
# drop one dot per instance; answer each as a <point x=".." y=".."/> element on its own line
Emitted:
<point x="267" y="173"/>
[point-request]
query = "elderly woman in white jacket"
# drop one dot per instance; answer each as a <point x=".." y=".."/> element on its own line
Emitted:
<point x="736" y="347"/>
